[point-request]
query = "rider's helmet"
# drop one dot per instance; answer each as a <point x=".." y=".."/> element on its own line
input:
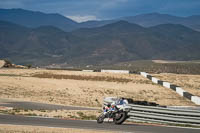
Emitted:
<point x="122" y="98"/>
<point x="108" y="105"/>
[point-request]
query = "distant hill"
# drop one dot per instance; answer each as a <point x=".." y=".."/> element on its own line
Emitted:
<point x="123" y="41"/>
<point x="94" y="23"/>
<point x="151" y="19"/>
<point x="112" y="43"/>
<point x="33" y="19"/>
<point x="25" y="45"/>
<point x="146" y="20"/>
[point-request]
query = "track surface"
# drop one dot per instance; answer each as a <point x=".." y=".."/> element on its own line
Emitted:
<point x="51" y="122"/>
<point x="38" y="106"/>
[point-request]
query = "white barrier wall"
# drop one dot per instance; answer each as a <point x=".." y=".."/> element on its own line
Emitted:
<point x="196" y="100"/>
<point x="115" y="71"/>
<point x="88" y="70"/>
<point x="180" y="91"/>
<point x="166" y="84"/>
<point x="144" y="74"/>
<point x="155" y="80"/>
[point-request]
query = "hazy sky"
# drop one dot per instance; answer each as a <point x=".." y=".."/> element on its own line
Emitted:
<point x="82" y="10"/>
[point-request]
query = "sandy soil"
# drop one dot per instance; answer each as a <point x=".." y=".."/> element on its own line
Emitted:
<point x="19" y="84"/>
<point x="190" y="83"/>
<point x="38" y="129"/>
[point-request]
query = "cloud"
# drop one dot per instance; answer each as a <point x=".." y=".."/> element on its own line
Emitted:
<point x="79" y="18"/>
<point x="10" y="4"/>
<point x="111" y="3"/>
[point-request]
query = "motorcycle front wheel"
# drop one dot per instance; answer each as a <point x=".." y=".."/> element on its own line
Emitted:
<point x="100" y="119"/>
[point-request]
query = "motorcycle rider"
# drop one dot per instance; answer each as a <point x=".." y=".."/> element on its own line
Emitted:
<point x="115" y="105"/>
<point x="119" y="104"/>
<point x="122" y="101"/>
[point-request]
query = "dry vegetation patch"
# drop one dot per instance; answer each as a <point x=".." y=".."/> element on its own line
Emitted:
<point x="190" y="83"/>
<point x="82" y="88"/>
<point x="80" y="77"/>
<point x="38" y="129"/>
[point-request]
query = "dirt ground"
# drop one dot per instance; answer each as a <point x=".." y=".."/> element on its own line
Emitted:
<point x="20" y="84"/>
<point x="190" y="83"/>
<point x="38" y="129"/>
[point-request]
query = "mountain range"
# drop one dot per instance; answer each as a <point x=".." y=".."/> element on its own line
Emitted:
<point x="35" y="19"/>
<point x="113" y="42"/>
<point x="151" y="19"/>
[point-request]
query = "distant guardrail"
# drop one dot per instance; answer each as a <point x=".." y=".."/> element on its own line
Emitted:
<point x="153" y="114"/>
<point x="116" y="71"/>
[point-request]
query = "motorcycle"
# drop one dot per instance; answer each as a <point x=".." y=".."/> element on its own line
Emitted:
<point x="119" y="114"/>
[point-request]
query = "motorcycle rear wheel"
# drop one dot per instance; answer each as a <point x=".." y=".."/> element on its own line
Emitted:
<point x="120" y="118"/>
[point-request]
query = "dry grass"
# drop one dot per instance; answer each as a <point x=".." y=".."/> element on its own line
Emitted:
<point x="38" y="129"/>
<point x="190" y="83"/>
<point x="64" y="114"/>
<point x="84" y="91"/>
<point x="75" y="75"/>
<point x="80" y="77"/>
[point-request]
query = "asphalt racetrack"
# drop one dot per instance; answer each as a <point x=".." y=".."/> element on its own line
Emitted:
<point x="38" y="106"/>
<point x="52" y="122"/>
<point x="64" y="123"/>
